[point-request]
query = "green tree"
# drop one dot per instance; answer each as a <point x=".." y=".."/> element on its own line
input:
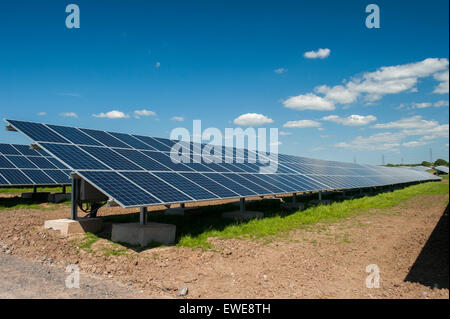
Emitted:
<point x="440" y="162"/>
<point x="425" y="163"/>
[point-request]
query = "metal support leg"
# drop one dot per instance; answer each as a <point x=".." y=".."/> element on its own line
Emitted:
<point x="143" y="216"/>
<point x="75" y="197"/>
<point x="294" y="198"/>
<point x="34" y="189"/>
<point x="320" y="195"/>
<point x="64" y="189"/>
<point x="182" y="205"/>
<point x="242" y="205"/>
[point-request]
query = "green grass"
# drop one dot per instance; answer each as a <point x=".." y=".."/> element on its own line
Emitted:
<point x="445" y="177"/>
<point x="279" y="223"/>
<point x="20" y="190"/>
<point x="193" y="231"/>
<point x="87" y="242"/>
<point x="13" y="203"/>
<point x="116" y="250"/>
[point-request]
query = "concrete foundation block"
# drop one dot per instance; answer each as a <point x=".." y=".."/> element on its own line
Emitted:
<point x="180" y="211"/>
<point x="345" y="197"/>
<point x="59" y="197"/>
<point x="320" y="202"/>
<point x="238" y="215"/>
<point x="43" y="196"/>
<point x="138" y="234"/>
<point x="272" y="200"/>
<point x="238" y="203"/>
<point x="177" y="211"/>
<point x="297" y="206"/>
<point x="69" y="226"/>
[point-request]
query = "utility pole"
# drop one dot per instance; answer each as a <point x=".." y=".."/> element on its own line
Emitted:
<point x="382" y="159"/>
<point x="431" y="156"/>
<point x="354" y="159"/>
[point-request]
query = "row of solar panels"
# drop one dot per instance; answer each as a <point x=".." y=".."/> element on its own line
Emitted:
<point x="114" y="151"/>
<point x="59" y="137"/>
<point x="442" y="169"/>
<point x="22" y="166"/>
<point x="138" y="171"/>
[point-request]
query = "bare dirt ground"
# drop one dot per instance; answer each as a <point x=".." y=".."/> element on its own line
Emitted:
<point x="409" y="244"/>
<point x="27" y="279"/>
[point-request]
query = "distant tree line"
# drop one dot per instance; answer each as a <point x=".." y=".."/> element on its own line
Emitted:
<point x="438" y="162"/>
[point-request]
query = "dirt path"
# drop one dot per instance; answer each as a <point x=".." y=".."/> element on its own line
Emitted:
<point x="408" y="243"/>
<point x="20" y="278"/>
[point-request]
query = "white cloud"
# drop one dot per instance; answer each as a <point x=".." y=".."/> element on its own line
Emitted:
<point x="252" y="119"/>
<point x="157" y="65"/>
<point x="379" y="141"/>
<point x="302" y="124"/>
<point x="413" y="126"/>
<point x="42" y="113"/>
<point x="139" y="113"/>
<point x="407" y="123"/>
<point x="441" y="103"/>
<point x="70" y="94"/>
<point x="319" y="54"/>
<point x="420" y="69"/>
<point x="421" y="105"/>
<point x="280" y="70"/>
<point x="413" y="144"/>
<point x="284" y="133"/>
<point x="372" y="86"/>
<point x="69" y="114"/>
<point x="114" y="114"/>
<point x="177" y="118"/>
<point x="430" y="132"/>
<point x="374" y="90"/>
<point x="442" y="77"/>
<point x="352" y="120"/>
<point x="337" y="93"/>
<point x="308" y="101"/>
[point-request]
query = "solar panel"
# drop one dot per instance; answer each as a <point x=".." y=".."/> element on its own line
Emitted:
<point x="443" y="169"/>
<point x="15" y="177"/>
<point x="8" y="149"/>
<point x="136" y="170"/>
<point x="188" y="186"/>
<point x="417" y="168"/>
<point x="22" y="166"/>
<point x="73" y="156"/>
<point x="163" y="191"/>
<point x="208" y="183"/>
<point x="121" y="189"/>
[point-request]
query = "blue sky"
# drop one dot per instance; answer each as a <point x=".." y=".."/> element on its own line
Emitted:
<point x="368" y="92"/>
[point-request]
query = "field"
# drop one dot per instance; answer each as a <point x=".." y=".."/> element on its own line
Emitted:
<point x="320" y="252"/>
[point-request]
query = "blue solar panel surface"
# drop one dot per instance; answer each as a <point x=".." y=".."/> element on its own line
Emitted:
<point x="22" y="166"/>
<point x="137" y="170"/>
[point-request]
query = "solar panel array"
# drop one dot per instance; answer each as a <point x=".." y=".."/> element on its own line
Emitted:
<point x="136" y="170"/>
<point x="443" y="169"/>
<point x="22" y="166"/>
<point x="419" y="168"/>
